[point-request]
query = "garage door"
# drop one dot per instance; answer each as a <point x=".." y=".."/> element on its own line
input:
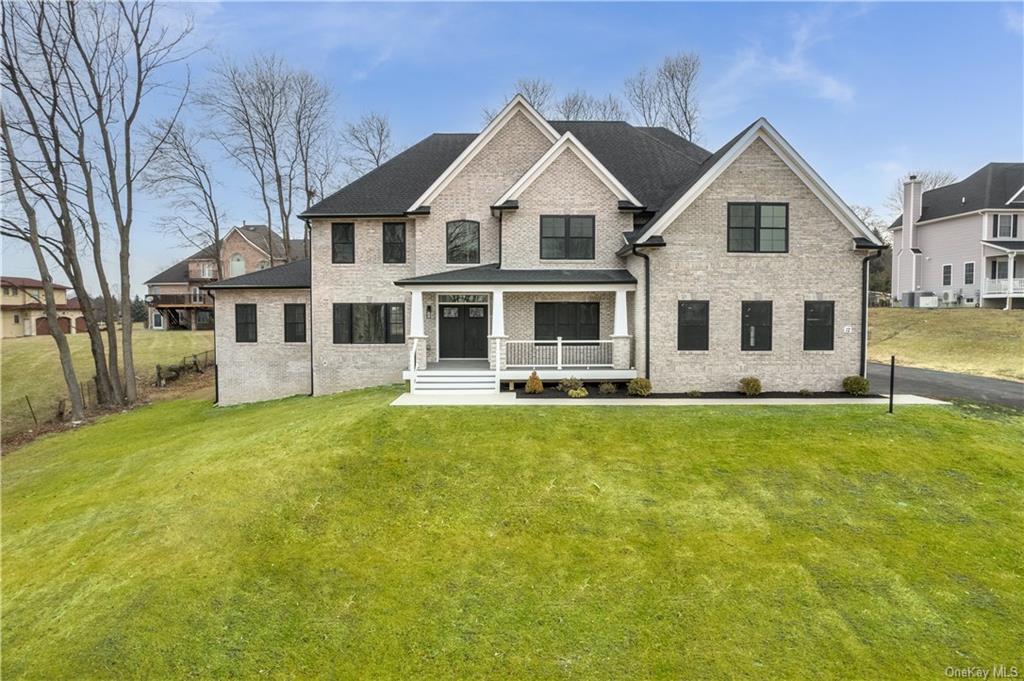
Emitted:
<point x="80" y="324"/>
<point x="43" y="326"/>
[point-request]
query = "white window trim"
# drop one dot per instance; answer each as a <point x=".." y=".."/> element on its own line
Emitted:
<point x="942" y="273"/>
<point x="999" y="226"/>
<point x="974" y="272"/>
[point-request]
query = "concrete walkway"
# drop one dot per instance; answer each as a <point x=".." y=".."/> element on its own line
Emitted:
<point x="509" y="399"/>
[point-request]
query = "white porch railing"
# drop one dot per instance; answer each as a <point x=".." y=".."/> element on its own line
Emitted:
<point x="558" y="353"/>
<point x="1004" y="286"/>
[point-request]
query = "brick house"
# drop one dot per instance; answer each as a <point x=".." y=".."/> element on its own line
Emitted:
<point x="23" y="308"/>
<point x="175" y="297"/>
<point x="958" y="244"/>
<point x="594" y="249"/>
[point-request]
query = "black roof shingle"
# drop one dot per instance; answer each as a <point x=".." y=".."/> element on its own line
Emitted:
<point x="295" y="274"/>
<point x="990" y="187"/>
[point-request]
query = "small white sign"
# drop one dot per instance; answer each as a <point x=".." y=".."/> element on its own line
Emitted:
<point x="848" y="329"/>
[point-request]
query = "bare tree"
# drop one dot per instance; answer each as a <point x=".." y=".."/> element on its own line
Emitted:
<point x="677" y="80"/>
<point x="368" y="142"/>
<point x="575" y="106"/>
<point x="180" y="173"/>
<point x="608" y="109"/>
<point x="30" y="234"/>
<point x="645" y="96"/>
<point x="930" y="179"/>
<point x="537" y="91"/>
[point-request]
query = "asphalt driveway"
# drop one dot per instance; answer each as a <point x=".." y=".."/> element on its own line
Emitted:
<point x="943" y="385"/>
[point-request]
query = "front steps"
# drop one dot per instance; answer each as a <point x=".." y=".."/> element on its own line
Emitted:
<point x="442" y="382"/>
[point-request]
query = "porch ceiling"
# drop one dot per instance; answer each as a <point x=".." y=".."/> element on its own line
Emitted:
<point x="491" y="276"/>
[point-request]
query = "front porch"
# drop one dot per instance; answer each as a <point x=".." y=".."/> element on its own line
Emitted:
<point x="1001" y="278"/>
<point x="470" y="337"/>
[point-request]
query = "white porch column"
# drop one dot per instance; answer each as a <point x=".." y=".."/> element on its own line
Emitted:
<point x="498" y="314"/>
<point x="620" y="333"/>
<point x="1009" y="280"/>
<point x="416" y="321"/>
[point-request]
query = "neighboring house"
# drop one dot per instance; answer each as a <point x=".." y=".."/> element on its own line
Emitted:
<point x="959" y="242"/>
<point x="175" y="296"/>
<point x="23" y="308"/>
<point x="599" y="250"/>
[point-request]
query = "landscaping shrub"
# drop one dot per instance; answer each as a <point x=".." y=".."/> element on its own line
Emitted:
<point x="694" y="393"/>
<point x="750" y="386"/>
<point x="607" y="389"/>
<point x="534" y="386"/>
<point x="578" y="392"/>
<point x="638" y="387"/>
<point x="804" y="392"/>
<point x="571" y="383"/>
<point x="856" y="385"/>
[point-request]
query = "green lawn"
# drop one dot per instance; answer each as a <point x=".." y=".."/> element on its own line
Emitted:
<point x="30" y="366"/>
<point x="968" y="341"/>
<point x="337" y="537"/>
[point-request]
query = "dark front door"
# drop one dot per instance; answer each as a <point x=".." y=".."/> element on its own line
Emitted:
<point x="463" y="330"/>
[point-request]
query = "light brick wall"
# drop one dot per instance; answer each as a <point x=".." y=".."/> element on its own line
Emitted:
<point x="567" y="187"/>
<point x="269" y="368"/>
<point x="696" y="265"/>
<point x="368" y="280"/>
<point x="235" y="243"/>
<point x="469" y="196"/>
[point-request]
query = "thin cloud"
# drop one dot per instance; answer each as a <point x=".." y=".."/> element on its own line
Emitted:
<point x="1014" y="19"/>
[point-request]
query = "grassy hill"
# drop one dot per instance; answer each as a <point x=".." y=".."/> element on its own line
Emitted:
<point x="30" y="366"/>
<point x="338" y="537"/>
<point x="968" y="341"/>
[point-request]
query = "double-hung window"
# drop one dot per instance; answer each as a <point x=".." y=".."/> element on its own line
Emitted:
<point x="567" y="237"/>
<point x="1004" y="226"/>
<point x="570" y="321"/>
<point x="294" y="323"/>
<point x="394" y="242"/>
<point x="369" y="323"/>
<point x="756" y="325"/>
<point x="758" y="228"/>
<point x="245" y="323"/>
<point x="463" y="242"/>
<point x="343" y="242"/>
<point x="819" y="324"/>
<point x="968" y="273"/>
<point x="693" y="325"/>
<point x="1000" y="269"/>
<point x="947" y="275"/>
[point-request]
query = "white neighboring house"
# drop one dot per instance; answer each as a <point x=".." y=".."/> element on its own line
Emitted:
<point x="960" y="242"/>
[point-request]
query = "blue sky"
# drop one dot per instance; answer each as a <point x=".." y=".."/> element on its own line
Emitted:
<point x="864" y="92"/>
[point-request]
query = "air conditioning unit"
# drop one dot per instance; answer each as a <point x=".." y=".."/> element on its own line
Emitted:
<point x="948" y="297"/>
<point x="927" y="299"/>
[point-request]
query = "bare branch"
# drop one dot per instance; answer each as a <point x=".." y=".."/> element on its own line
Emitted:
<point x="368" y="142"/>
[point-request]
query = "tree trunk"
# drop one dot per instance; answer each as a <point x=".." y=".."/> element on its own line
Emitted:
<point x="130" y="389"/>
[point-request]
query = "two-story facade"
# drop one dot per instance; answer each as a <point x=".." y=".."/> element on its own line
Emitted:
<point x="23" y="308"/>
<point x="175" y="296"/>
<point x="593" y="249"/>
<point x="960" y="242"/>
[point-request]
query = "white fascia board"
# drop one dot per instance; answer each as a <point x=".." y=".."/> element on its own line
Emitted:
<point x="568" y="141"/>
<point x="519" y="288"/>
<point x="517" y="104"/>
<point x="764" y="131"/>
<point x="1018" y="197"/>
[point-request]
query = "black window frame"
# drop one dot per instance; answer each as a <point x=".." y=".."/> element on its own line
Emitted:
<point x="448" y="242"/>
<point x="692" y="335"/>
<point x="758" y="345"/>
<point x="392" y="328"/>
<point x="294" y="329"/>
<point x="395" y="259"/>
<point x="815" y="336"/>
<point x="729" y="228"/>
<point x="971" y="282"/>
<point x="339" y="245"/>
<point x="244" y="325"/>
<point x="947" y="274"/>
<point x="566" y="239"/>
<point x="563" y="322"/>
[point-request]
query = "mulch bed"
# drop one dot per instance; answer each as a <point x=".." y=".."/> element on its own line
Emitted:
<point x="553" y="393"/>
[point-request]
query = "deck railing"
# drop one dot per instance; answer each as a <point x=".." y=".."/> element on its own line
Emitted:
<point x="558" y="353"/>
<point x="179" y="299"/>
<point x="1004" y="286"/>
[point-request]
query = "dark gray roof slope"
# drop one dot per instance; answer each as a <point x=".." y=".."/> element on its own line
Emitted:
<point x="178" y="272"/>
<point x="1008" y="244"/>
<point x="491" y="274"/>
<point x="391" y="188"/>
<point x="290" y="275"/>
<point x="650" y="162"/>
<point x="990" y="187"/>
<point x="257" y="234"/>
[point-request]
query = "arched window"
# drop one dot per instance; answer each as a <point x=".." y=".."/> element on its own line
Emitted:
<point x="463" y="242"/>
<point x="237" y="265"/>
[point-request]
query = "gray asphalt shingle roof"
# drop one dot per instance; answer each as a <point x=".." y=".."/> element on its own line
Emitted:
<point x="1008" y="244"/>
<point x="290" y="275"/>
<point x="491" y="274"/>
<point x="257" y="234"/>
<point x="990" y="187"/>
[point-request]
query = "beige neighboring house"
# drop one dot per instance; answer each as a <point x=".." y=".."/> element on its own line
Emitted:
<point x="24" y="310"/>
<point x="594" y="249"/>
<point x="175" y="297"/>
<point x="958" y="245"/>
